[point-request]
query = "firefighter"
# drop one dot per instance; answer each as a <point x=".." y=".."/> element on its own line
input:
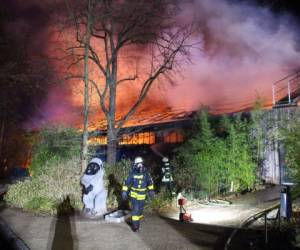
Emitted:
<point x="166" y="171"/>
<point x="94" y="192"/>
<point x="136" y="186"/>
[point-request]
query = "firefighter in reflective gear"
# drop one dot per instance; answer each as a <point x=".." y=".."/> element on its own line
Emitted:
<point x="136" y="186"/>
<point x="166" y="171"/>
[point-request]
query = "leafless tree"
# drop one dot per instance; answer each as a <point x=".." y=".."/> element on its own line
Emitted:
<point x="83" y="31"/>
<point x="84" y="152"/>
<point x="120" y="26"/>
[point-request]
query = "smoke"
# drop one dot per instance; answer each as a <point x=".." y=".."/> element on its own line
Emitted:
<point x="244" y="50"/>
<point x="57" y="108"/>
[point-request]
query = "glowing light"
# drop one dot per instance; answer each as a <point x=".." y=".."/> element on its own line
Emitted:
<point x="231" y="215"/>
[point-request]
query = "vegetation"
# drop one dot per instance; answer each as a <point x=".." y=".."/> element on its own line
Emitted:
<point x="54" y="145"/>
<point x="55" y="167"/>
<point x="115" y="175"/>
<point x="290" y="138"/>
<point x="56" y="176"/>
<point x="44" y="193"/>
<point x="218" y="158"/>
<point x="161" y="203"/>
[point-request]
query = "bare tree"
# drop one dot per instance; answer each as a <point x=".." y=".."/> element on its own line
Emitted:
<point x="82" y="23"/>
<point x="84" y="151"/>
<point x="121" y="26"/>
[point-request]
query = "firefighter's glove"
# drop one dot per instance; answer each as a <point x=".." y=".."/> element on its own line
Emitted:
<point x="124" y="196"/>
<point x="151" y="194"/>
<point x="89" y="189"/>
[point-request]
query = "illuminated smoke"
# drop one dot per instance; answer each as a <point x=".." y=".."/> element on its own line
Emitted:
<point x="243" y="50"/>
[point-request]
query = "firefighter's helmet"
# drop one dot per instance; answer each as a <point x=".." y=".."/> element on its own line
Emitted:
<point x="165" y="160"/>
<point x="138" y="160"/>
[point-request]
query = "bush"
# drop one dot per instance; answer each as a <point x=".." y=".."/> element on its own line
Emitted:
<point x="161" y="203"/>
<point x="114" y="178"/>
<point x="46" y="191"/>
<point x="54" y="145"/>
<point x="215" y="157"/>
<point x="290" y="139"/>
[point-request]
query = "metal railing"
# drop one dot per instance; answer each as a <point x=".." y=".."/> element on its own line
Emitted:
<point x="285" y="90"/>
<point x="251" y="220"/>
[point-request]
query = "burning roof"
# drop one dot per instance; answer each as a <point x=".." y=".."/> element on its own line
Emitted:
<point x="144" y="118"/>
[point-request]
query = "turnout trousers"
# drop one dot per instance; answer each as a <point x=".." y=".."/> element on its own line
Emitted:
<point x="137" y="212"/>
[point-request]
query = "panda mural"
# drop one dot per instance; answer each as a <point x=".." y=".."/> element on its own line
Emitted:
<point x="94" y="192"/>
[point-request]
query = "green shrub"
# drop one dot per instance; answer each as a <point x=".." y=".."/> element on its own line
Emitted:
<point x="114" y="178"/>
<point x="161" y="203"/>
<point x="290" y="139"/>
<point x="45" y="192"/>
<point x="39" y="204"/>
<point x="53" y="145"/>
<point x="120" y="170"/>
<point x="217" y="155"/>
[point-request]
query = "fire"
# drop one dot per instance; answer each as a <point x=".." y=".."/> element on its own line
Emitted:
<point x="138" y="138"/>
<point x="173" y="137"/>
<point x="144" y="138"/>
<point x="226" y="73"/>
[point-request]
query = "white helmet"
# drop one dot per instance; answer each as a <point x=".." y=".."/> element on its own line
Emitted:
<point x="138" y="160"/>
<point x="165" y="160"/>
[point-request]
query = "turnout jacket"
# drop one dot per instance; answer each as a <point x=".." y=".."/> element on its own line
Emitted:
<point x="167" y="173"/>
<point x="137" y="185"/>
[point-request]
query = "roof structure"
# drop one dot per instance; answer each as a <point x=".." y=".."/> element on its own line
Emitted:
<point x="145" y="121"/>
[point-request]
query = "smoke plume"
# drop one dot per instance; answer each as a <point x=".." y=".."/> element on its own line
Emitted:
<point x="244" y="49"/>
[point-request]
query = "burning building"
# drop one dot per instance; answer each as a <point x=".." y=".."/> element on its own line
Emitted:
<point x="158" y="131"/>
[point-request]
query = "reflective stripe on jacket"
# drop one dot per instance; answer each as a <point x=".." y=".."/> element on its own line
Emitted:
<point x="138" y="183"/>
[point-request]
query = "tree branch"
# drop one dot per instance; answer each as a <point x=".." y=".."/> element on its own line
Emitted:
<point x="167" y="64"/>
<point x="130" y="78"/>
<point x="101" y="96"/>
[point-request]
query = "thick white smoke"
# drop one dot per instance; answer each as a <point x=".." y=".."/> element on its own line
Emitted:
<point x="244" y="50"/>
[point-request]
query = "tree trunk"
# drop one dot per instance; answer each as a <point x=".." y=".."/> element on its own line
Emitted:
<point x="111" y="151"/>
<point x="112" y="132"/>
<point x="84" y="150"/>
<point x="112" y="138"/>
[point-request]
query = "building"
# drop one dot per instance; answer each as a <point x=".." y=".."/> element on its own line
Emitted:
<point x="160" y="132"/>
<point x="286" y="96"/>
